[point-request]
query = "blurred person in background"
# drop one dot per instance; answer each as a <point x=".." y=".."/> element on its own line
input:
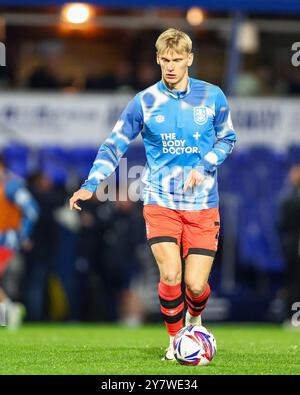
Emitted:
<point x="257" y="81"/>
<point x="46" y="76"/>
<point x="39" y="260"/>
<point x="110" y="236"/>
<point x="289" y="230"/>
<point x="18" y="214"/>
<point x="146" y="74"/>
<point x="287" y="79"/>
<point x="90" y="261"/>
<point x="293" y="83"/>
<point x="123" y="237"/>
<point x="120" y="78"/>
<point x="248" y="83"/>
<point x="97" y="78"/>
<point x="123" y="79"/>
<point x="187" y="132"/>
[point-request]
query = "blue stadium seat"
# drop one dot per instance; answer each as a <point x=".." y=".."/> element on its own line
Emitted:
<point x="54" y="161"/>
<point x="294" y="155"/>
<point x="81" y="161"/>
<point x="135" y="155"/>
<point x="17" y="158"/>
<point x="257" y="176"/>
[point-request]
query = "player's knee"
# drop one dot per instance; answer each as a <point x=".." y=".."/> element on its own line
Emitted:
<point x="171" y="277"/>
<point x="196" y="289"/>
<point x="168" y="261"/>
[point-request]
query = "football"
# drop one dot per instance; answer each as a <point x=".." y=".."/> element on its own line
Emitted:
<point x="194" y="345"/>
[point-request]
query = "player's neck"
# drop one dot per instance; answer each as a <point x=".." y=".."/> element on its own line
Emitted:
<point x="180" y="86"/>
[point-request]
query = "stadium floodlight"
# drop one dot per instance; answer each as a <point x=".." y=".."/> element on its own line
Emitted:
<point x="194" y="16"/>
<point x="76" y="13"/>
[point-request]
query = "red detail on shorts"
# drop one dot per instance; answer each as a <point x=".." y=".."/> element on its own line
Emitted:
<point x="195" y="229"/>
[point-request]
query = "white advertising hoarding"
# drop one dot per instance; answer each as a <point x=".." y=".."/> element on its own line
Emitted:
<point x="87" y="119"/>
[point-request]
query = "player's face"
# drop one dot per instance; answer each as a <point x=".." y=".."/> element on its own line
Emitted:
<point x="174" y="68"/>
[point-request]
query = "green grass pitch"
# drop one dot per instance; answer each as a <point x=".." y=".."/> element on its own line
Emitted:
<point x="46" y="349"/>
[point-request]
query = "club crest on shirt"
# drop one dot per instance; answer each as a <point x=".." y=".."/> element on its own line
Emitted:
<point x="200" y="115"/>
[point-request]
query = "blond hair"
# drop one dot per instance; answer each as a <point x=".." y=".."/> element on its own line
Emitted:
<point x="173" y="40"/>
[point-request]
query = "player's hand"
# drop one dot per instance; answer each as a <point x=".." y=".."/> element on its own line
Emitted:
<point x="193" y="178"/>
<point x="81" y="194"/>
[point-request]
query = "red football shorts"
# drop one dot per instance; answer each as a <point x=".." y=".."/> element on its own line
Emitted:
<point x="5" y="257"/>
<point x="198" y="231"/>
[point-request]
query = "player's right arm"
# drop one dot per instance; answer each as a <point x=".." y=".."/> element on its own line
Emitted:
<point x="110" y="152"/>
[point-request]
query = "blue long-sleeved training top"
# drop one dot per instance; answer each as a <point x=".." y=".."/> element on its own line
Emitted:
<point x="181" y="130"/>
<point x="14" y="191"/>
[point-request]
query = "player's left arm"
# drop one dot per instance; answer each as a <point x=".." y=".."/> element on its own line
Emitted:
<point x="22" y="198"/>
<point x="225" y="135"/>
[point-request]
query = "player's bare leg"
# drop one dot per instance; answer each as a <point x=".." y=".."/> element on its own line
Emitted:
<point x="167" y="256"/>
<point x="2" y="295"/>
<point x="197" y="270"/>
<point x="14" y="312"/>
